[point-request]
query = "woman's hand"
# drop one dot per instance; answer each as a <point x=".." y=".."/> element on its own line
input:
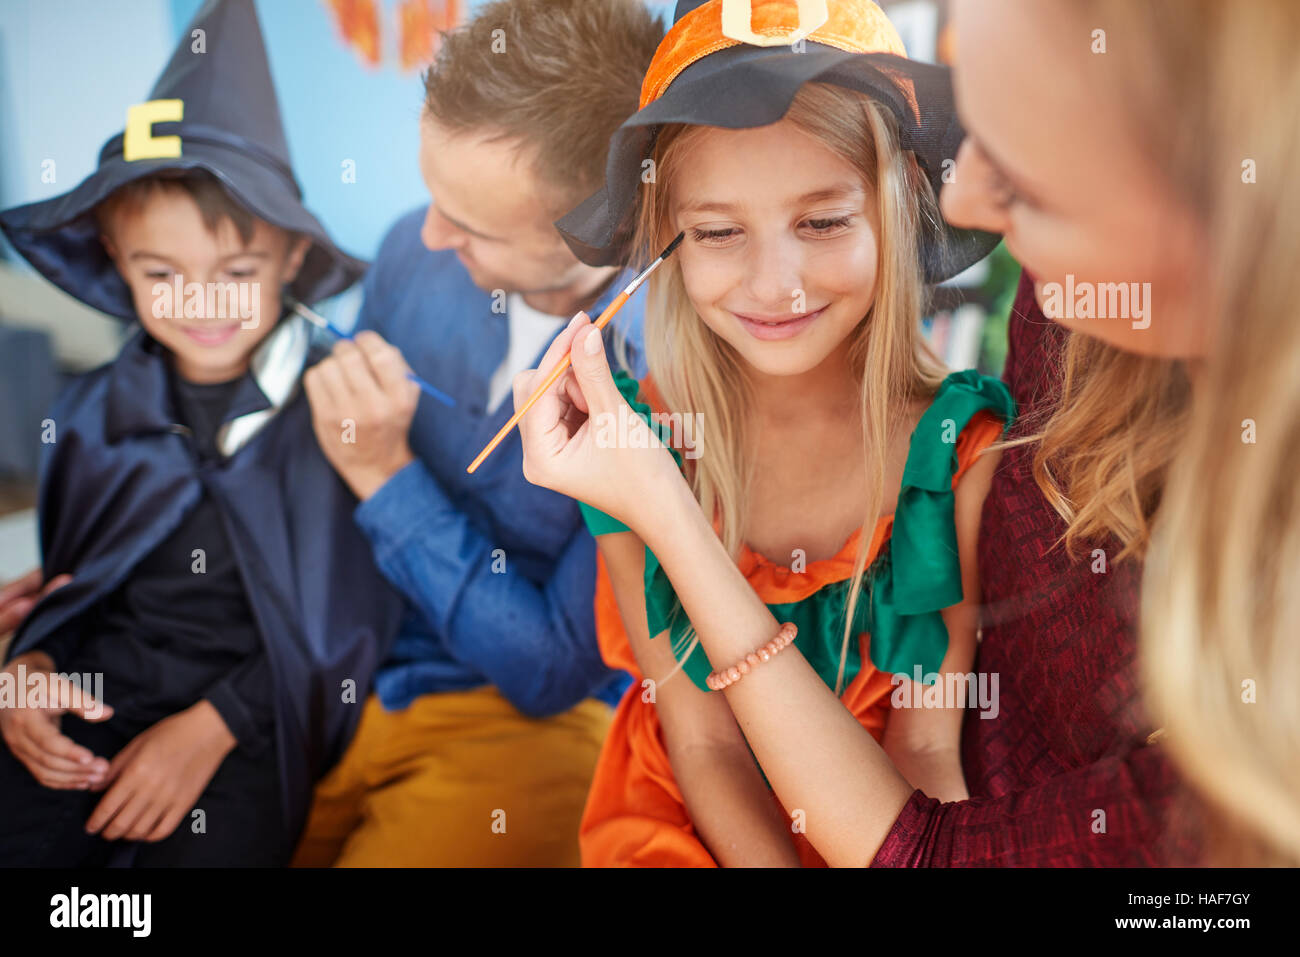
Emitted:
<point x="31" y="728"/>
<point x="583" y="440"/>
<point x="156" y="779"/>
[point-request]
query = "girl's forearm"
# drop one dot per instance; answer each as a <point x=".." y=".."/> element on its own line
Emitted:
<point x="732" y="810"/>
<point x="816" y="755"/>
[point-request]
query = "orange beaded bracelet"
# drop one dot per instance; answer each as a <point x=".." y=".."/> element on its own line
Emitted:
<point x="729" y="676"/>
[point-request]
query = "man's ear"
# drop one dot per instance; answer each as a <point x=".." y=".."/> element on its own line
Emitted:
<point x="299" y="244"/>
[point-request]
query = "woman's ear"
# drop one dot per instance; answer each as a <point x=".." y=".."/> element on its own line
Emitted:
<point x="298" y="246"/>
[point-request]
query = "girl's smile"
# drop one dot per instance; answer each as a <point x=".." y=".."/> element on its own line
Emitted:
<point x="777" y="327"/>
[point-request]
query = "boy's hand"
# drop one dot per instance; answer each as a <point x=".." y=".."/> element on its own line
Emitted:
<point x="32" y="733"/>
<point x="362" y="404"/>
<point x="20" y="596"/>
<point x="156" y="779"/>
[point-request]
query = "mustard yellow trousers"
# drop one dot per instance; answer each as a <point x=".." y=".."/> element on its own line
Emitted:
<point x="458" y="779"/>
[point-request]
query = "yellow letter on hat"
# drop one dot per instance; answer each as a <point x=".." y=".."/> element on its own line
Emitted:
<point x="139" y="142"/>
<point x="738" y="16"/>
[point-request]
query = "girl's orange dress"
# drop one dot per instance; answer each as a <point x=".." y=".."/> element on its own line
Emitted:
<point x="635" y="814"/>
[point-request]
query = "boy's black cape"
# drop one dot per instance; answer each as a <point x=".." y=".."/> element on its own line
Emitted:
<point x="120" y="477"/>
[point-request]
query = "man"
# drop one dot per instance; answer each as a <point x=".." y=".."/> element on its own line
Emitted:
<point x="479" y="743"/>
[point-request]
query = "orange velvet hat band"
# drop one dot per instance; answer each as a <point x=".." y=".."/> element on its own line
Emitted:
<point x="856" y="26"/>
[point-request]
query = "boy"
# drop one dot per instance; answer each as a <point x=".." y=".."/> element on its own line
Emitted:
<point x="220" y="594"/>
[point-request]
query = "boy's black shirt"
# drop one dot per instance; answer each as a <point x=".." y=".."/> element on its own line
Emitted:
<point x="180" y="628"/>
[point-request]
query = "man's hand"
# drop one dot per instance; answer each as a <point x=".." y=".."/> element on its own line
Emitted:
<point x="156" y="779"/>
<point x="20" y="596"/>
<point x="32" y="733"/>
<point x="362" y="404"/>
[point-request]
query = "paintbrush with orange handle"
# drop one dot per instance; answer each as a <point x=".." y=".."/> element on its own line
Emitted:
<point x="563" y="364"/>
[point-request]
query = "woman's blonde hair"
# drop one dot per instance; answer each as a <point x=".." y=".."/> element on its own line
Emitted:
<point x="697" y="372"/>
<point x="1214" y="89"/>
<point x="1104" y="447"/>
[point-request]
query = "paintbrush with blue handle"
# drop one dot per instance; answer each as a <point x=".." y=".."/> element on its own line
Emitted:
<point x="320" y="322"/>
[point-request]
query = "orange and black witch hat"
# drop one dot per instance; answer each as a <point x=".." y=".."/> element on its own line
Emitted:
<point x="738" y="64"/>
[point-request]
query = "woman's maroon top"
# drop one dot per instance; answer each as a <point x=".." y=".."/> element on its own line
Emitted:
<point x="1064" y="774"/>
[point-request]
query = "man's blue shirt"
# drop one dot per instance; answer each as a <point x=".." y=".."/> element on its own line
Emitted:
<point x="500" y="573"/>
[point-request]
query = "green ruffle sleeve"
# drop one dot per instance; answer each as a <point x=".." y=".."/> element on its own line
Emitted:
<point x="916" y="575"/>
<point x="922" y="572"/>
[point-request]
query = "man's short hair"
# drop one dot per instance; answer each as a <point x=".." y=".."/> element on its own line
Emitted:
<point x="558" y="76"/>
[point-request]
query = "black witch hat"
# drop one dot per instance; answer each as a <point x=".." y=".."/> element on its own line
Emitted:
<point x="738" y="64"/>
<point x="214" y="108"/>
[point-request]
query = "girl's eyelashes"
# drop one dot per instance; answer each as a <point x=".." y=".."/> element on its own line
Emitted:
<point x="713" y="235"/>
<point x="829" y="225"/>
<point x="819" y="226"/>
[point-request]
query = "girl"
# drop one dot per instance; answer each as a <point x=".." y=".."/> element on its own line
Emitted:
<point x="829" y="446"/>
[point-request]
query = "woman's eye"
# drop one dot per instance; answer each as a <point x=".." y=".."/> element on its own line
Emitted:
<point x="1004" y="195"/>
<point x="713" y="235"/>
<point x="829" y="224"/>
<point x="241" y="273"/>
<point x="157" y="273"/>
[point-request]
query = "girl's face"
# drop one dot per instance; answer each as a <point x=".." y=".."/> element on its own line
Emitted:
<point x="780" y="252"/>
<point x="1052" y="163"/>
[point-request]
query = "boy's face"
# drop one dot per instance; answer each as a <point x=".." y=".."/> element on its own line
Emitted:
<point x="230" y="291"/>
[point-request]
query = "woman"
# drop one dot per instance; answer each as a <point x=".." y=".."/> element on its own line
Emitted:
<point x="1195" y="109"/>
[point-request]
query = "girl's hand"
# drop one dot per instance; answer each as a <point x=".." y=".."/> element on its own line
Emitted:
<point x="31" y="729"/>
<point x="156" y="779"/>
<point x="583" y="440"/>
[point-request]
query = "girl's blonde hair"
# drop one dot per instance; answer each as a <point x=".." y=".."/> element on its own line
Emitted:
<point x="1215" y="91"/>
<point x="698" y="372"/>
